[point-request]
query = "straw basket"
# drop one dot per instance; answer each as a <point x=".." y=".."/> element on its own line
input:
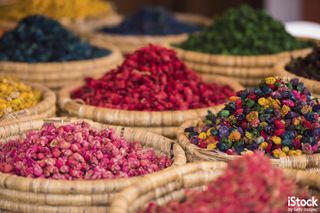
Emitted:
<point x="45" y="108"/>
<point x="58" y="74"/>
<point x="248" y="70"/>
<point x="129" y="43"/>
<point x="195" y="153"/>
<point x="312" y="85"/>
<point x="88" y="24"/>
<point x="162" y="122"/>
<point x="22" y="194"/>
<point x="80" y="25"/>
<point x="171" y="184"/>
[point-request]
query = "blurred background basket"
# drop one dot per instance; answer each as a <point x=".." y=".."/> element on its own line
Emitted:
<point x="58" y="74"/>
<point x="129" y="43"/>
<point x="312" y="85"/>
<point x="248" y="70"/>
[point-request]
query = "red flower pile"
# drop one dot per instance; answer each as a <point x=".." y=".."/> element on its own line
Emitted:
<point x="152" y="79"/>
<point x="249" y="184"/>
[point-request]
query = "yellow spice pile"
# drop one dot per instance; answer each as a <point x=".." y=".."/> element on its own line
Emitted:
<point x="57" y="9"/>
<point x="15" y="96"/>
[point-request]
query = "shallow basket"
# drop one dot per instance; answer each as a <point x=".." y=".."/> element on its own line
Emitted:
<point x="248" y="70"/>
<point x="58" y="74"/>
<point x="22" y="194"/>
<point x="162" y="122"/>
<point x="312" y="85"/>
<point x="195" y="153"/>
<point x="171" y="185"/>
<point x="45" y="108"/>
<point x="83" y="26"/>
<point x="130" y="43"/>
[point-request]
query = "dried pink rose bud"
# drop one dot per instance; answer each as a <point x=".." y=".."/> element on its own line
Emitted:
<point x="77" y="151"/>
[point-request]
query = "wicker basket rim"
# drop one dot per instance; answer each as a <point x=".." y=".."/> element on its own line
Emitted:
<point x="267" y="56"/>
<point x="66" y="21"/>
<point x="127" y="38"/>
<point x="114" y="52"/>
<point x="205" y="20"/>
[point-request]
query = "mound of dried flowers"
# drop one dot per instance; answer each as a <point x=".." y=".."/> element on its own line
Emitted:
<point x="249" y="184"/>
<point x="77" y="151"/>
<point x="279" y="117"/>
<point x="16" y="96"/>
<point x="152" y="79"/>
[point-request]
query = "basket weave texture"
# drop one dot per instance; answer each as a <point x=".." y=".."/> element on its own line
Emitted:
<point x="58" y="74"/>
<point x="248" y="70"/>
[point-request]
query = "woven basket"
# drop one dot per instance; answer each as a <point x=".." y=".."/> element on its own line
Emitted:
<point x="45" y="108"/>
<point x="312" y="85"/>
<point x="164" y="122"/>
<point x="195" y="153"/>
<point x="248" y="70"/>
<point x="171" y="184"/>
<point x="21" y="194"/>
<point x="83" y="26"/>
<point x="58" y="74"/>
<point x="130" y="43"/>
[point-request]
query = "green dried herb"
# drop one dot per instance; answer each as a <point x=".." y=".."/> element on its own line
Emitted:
<point x="244" y="31"/>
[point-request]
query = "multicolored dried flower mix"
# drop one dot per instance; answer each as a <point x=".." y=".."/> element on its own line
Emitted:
<point x="15" y="96"/>
<point x="77" y="151"/>
<point x="279" y="117"/>
<point x="249" y="184"/>
<point x="152" y="79"/>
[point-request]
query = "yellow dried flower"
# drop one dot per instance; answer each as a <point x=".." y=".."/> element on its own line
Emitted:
<point x="278" y="153"/>
<point x="276" y="140"/>
<point x="284" y="110"/>
<point x="212" y="146"/>
<point x="203" y="135"/>
<point x="15" y="96"/>
<point x="263" y="145"/>
<point x="57" y="9"/>
<point x="270" y="80"/>
<point x="263" y="102"/>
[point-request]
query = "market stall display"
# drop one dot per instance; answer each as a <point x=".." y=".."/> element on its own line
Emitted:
<point x="152" y="89"/>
